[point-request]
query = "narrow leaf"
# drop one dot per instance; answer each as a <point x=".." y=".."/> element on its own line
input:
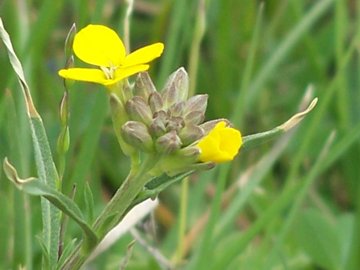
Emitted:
<point x="318" y="238"/>
<point x="158" y="184"/>
<point x="67" y="250"/>
<point x="89" y="202"/>
<point x="34" y="186"/>
<point x="44" y="162"/>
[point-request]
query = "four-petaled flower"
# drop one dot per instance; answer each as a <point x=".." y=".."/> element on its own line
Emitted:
<point x="100" y="46"/>
<point x="221" y="144"/>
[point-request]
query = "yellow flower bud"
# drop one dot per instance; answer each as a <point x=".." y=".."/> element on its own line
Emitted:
<point x="221" y="144"/>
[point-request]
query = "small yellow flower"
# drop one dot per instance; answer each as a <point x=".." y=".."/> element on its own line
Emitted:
<point x="221" y="144"/>
<point x="100" y="46"/>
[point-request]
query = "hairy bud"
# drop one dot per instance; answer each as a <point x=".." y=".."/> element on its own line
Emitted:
<point x="155" y="102"/>
<point x="138" y="110"/>
<point x="136" y="134"/>
<point x="176" y="88"/>
<point x="191" y="133"/>
<point x="168" y="143"/>
<point x="144" y="86"/>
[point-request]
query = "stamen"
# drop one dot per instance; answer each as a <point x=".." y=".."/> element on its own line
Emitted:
<point x="109" y="72"/>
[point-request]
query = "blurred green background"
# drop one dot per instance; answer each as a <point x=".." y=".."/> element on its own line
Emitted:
<point x="293" y="203"/>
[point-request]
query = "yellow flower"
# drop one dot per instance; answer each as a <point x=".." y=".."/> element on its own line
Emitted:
<point x="100" y="46"/>
<point x="221" y="144"/>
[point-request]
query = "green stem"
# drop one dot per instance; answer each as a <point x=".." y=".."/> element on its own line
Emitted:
<point x="122" y="199"/>
<point x="28" y="233"/>
<point x="182" y="220"/>
<point x="115" y="209"/>
<point x="205" y="247"/>
<point x="199" y="31"/>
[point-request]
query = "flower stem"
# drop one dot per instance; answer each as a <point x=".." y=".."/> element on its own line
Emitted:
<point x="179" y="254"/>
<point x="122" y="199"/>
<point x="115" y="209"/>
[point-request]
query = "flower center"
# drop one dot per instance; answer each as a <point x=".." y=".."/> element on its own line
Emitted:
<point x="109" y="72"/>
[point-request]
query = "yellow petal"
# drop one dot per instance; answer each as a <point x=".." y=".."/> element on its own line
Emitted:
<point x="143" y="55"/>
<point x="230" y="141"/>
<point x="122" y="73"/>
<point x="209" y="149"/>
<point x="221" y="144"/>
<point x="99" y="45"/>
<point x="84" y="74"/>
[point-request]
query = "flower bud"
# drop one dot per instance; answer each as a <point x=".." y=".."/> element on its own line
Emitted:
<point x="155" y="102"/>
<point x="158" y="126"/>
<point x="69" y="43"/>
<point x="194" y="117"/>
<point x="70" y="62"/>
<point x="64" y="109"/>
<point x="144" y="86"/>
<point x="177" y="109"/>
<point x="168" y="143"/>
<point x="138" y="110"/>
<point x="126" y="92"/>
<point x="175" y="123"/>
<point x="117" y="111"/>
<point x="209" y="125"/>
<point x="162" y="114"/>
<point x="63" y="141"/>
<point x="189" y="152"/>
<point x="119" y="117"/>
<point x="136" y="134"/>
<point x="176" y="88"/>
<point x="191" y="133"/>
<point x="196" y="103"/>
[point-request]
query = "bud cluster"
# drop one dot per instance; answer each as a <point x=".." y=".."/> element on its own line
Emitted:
<point x="169" y="122"/>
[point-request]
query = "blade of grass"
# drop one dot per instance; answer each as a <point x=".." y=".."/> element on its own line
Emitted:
<point x="297" y="10"/>
<point x="238" y="244"/>
<point x="200" y="259"/>
<point x="340" y="38"/>
<point x="309" y="134"/>
<point x="256" y="174"/>
<point x="283" y="50"/>
<point x="89" y="143"/>
<point x="320" y="112"/>
<point x="334" y="153"/>
<point x="177" y="27"/>
<point x="265" y="164"/>
<point x="204" y="250"/>
<point x="274" y="61"/>
<point x="44" y="162"/>
<point x="354" y="260"/>
<point x="19" y="221"/>
<point x="237" y="115"/>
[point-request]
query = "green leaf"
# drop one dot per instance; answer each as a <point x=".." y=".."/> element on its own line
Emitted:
<point x="318" y="238"/>
<point x="89" y="202"/>
<point x="34" y="186"/>
<point x="67" y="250"/>
<point x="163" y="181"/>
<point x="158" y="184"/>
<point x="346" y="229"/>
<point x="126" y="259"/>
<point x="45" y="252"/>
<point x="44" y="162"/>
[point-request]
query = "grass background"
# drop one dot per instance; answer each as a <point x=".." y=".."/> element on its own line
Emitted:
<point x="298" y="205"/>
